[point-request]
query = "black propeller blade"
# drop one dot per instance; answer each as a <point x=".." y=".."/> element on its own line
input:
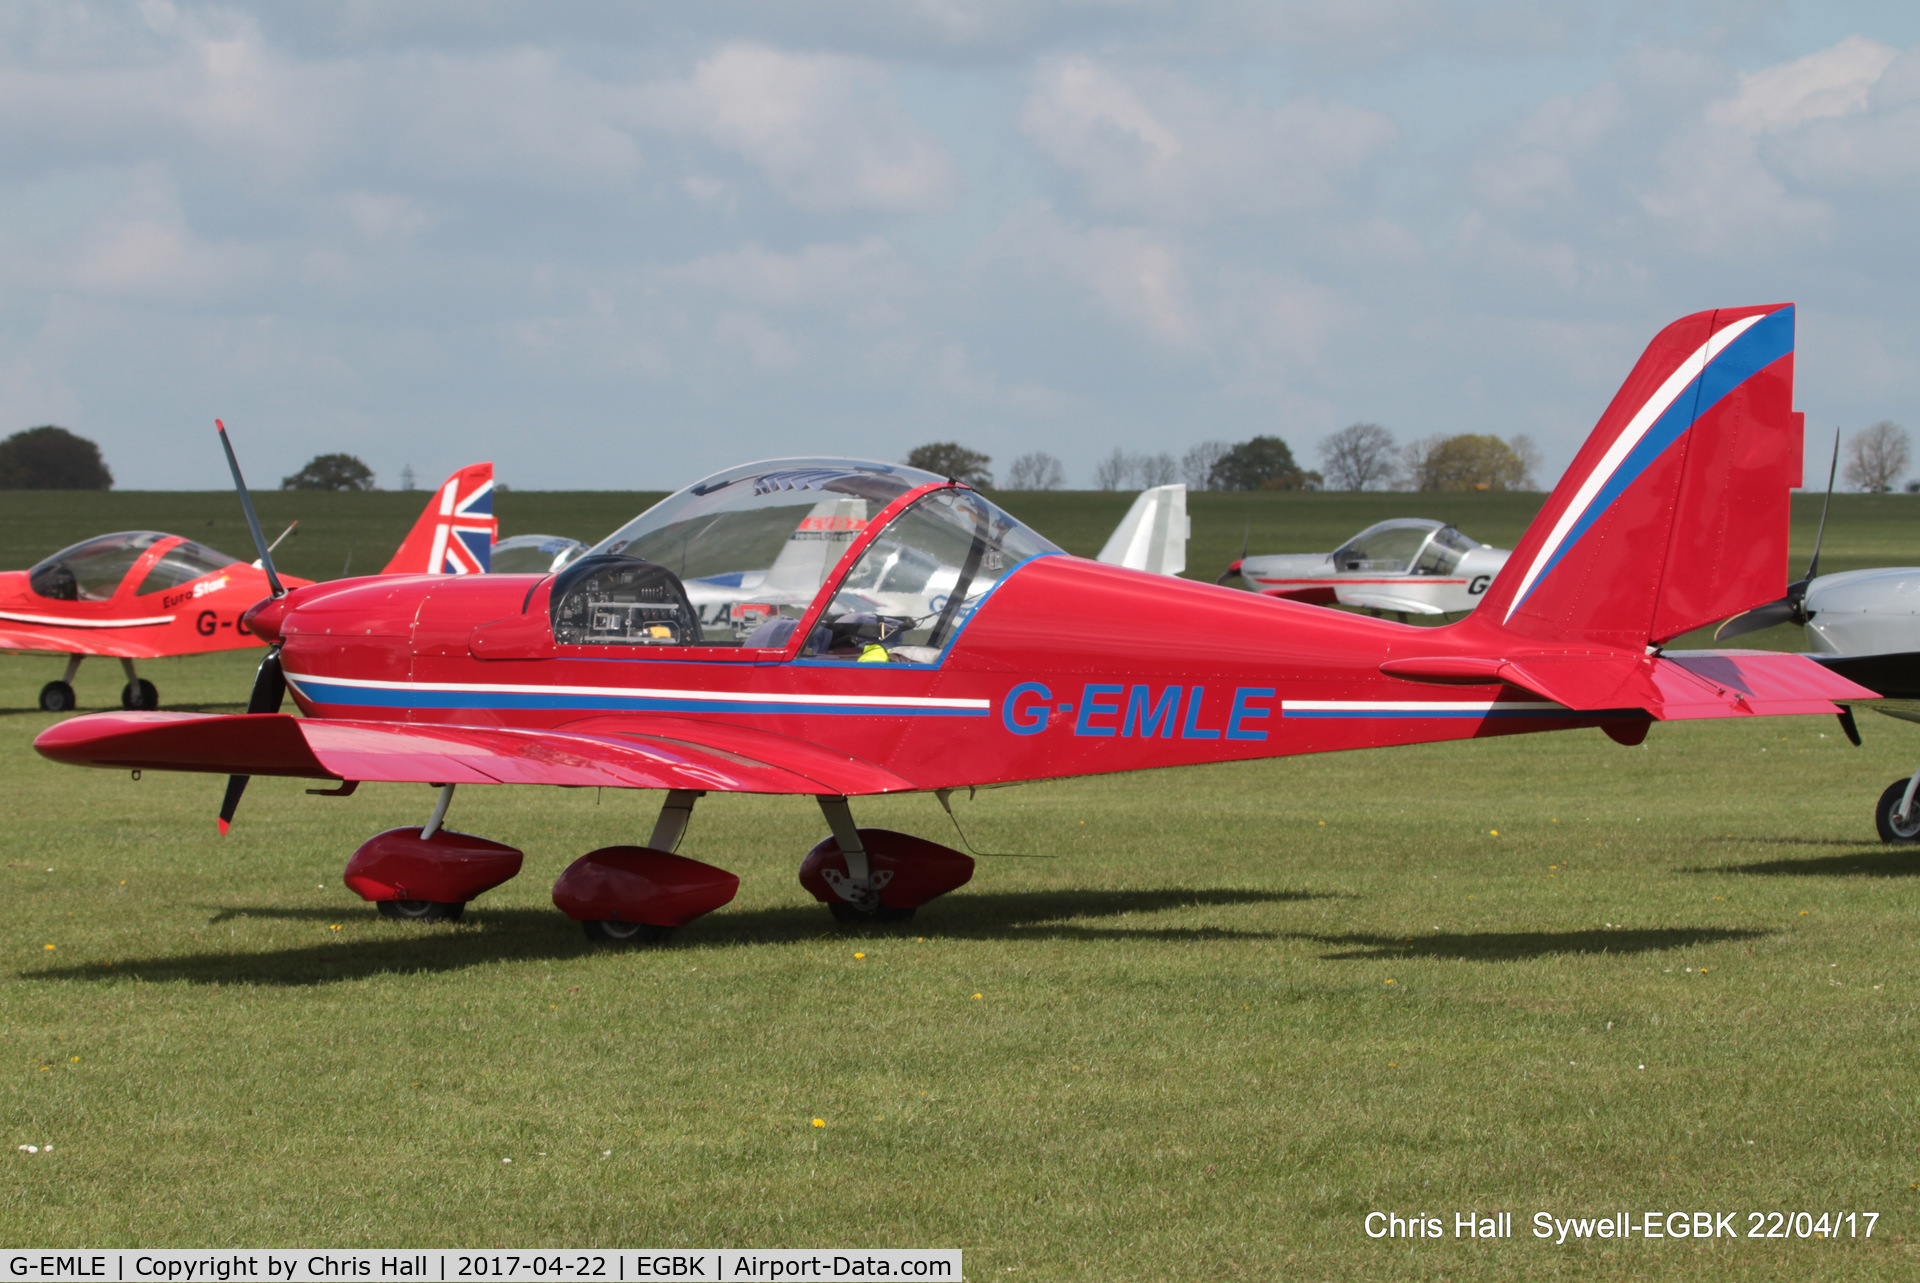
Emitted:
<point x="1792" y="608"/>
<point x="269" y="686"/>
<point x="1246" y="541"/>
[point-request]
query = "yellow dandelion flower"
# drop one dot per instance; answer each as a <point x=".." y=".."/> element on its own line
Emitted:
<point x="334" y="927"/>
<point x="859" y="955"/>
<point x="819" y="1122"/>
<point x="1389" y="982"/>
<point x="47" y="946"/>
<point x="1495" y="832"/>
<point x="976" y="995"/>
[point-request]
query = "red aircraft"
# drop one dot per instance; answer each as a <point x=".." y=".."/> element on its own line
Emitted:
<point x="141" y="594"/>
<point x="947" y="645"/>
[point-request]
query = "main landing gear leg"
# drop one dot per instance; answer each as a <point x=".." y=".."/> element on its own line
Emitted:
<point x="856" y="899"/>
<point x="58" y="697"/>
<point x="1896" y="815"/>
<point x="137" y="693"/>
<point x="675" y="813"/>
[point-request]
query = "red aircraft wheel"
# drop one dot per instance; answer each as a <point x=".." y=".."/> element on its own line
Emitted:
<point x="852" y="915"/>
<point x="625" y="932"/>
<point x="57" y="697"/>
<point x="139" y="695"/>
<point x="421" y="910"/>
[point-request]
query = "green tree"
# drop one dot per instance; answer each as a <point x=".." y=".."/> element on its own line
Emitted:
<point x="52" y="458"/>
<point x="950" y="459"/>
<point x="1264" y="463"/>
<point x="1470" y="461"/>
<point x="330" y="472"/>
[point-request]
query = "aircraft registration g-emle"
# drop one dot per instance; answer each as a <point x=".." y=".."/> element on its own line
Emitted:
<point x="948" y="645"/>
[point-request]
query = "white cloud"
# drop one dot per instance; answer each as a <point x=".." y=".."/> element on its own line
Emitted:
<point x="1133" y="276"/>
<point x="1155" y="144"/>
<point x="826" y="130"/>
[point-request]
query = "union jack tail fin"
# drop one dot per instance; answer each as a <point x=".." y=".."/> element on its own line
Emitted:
<point x="455" y="533"/>
<point x="1674" y="513"/>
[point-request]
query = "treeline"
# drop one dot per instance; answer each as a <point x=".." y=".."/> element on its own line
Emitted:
<point x="1363" y="456"/>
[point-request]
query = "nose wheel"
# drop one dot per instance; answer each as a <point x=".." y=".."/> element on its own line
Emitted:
<point x="56" y="697"/>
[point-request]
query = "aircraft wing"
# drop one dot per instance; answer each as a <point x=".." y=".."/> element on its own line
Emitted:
<point x="53" y="640"/>
<point x="617" y="752"/>
<point x="1676" y="686"/>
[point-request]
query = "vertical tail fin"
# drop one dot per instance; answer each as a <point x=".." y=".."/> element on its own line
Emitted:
<point x="456" y="530"/>
<point x="1674" y="514"/>
<point x="1153" y="534"/>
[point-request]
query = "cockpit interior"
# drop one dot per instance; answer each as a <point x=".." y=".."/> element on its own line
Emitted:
<point x="738" y="558"/>
<point x="94" y="570"/>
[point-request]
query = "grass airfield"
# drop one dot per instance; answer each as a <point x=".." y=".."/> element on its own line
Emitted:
<point x="1221" y="1014"/>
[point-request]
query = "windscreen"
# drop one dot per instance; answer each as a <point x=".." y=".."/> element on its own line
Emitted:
<point x="184" y="563"/>
<point x="91" y="571"/>
<point x="1443" y="552"/>
<point x="1387" y="548"/>
<point x="923" y="575"/>
<point x="759" y="541"/>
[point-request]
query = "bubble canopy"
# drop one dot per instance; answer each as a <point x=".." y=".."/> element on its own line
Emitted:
<point x="759" y="541"/>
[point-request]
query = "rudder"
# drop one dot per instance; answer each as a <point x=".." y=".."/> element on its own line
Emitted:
<point x="456" y="530"/>
<point x="1675" y="512"/>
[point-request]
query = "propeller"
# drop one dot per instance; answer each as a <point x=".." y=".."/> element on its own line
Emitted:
<point x="269" y="685"/>
<point x="1792" y="608"/>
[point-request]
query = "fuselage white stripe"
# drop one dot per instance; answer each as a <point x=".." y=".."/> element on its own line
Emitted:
<point x="1643" y="419"/>
<point x="1411" y="706"/>
<point x="65" y="622"/>
<point x="638" y="692"/>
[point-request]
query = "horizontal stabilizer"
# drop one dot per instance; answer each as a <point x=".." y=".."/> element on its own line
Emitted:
<point x="1677" y="686"/>
<point x="614" y="752"/>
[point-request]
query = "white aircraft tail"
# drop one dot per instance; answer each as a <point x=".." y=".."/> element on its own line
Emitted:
<point x="1153" y="534"/>
<point x="815" y="546"/>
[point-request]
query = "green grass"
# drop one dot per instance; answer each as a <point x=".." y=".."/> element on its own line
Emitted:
<point x="1222" y="1014"/>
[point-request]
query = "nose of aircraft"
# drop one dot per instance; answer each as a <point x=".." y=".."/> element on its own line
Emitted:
<point x="263" y="618"/>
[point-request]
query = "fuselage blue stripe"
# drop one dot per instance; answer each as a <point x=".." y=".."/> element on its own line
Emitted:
<point x="1428" y="713"/>
<point x="341" y="696"/>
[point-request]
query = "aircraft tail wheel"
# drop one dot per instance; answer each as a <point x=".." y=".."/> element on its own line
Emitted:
<point x="57" y="697"/>
<point x="602" y="932"/>
<point x="1892" y="827"/>
<point x="421" y="910"/>
<point x="139" y="694"/>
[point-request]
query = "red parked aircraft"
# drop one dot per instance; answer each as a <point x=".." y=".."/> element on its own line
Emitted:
<point x="142" y="594"/>
<point x="947" y="645"/>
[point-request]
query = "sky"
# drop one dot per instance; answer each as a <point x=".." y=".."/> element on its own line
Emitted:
<point x="619" y="246"/>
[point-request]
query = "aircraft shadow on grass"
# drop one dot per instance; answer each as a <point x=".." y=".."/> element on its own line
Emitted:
<point x="494" y="935"/>
<point x="1876" y="862"/>
<point x="224" y="706"/>
<point x="1514" y="946"/>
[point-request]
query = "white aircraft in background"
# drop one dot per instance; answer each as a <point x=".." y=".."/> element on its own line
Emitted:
<point x="1864" y="625"/>
<point x="1409" y="565"/>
